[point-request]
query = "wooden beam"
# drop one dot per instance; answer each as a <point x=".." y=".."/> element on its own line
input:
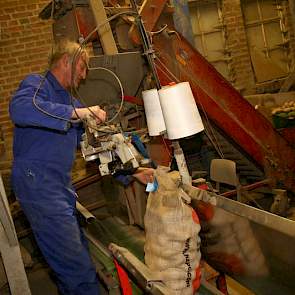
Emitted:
<point x="105" y="33"/>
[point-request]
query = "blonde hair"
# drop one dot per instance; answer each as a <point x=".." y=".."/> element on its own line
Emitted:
<point x="72" y="49"/>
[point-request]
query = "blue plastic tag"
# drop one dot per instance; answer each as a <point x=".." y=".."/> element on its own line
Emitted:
<point x="152" y="186"/>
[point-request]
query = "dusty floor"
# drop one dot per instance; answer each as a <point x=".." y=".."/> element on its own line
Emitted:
<point x="42" y="283"/>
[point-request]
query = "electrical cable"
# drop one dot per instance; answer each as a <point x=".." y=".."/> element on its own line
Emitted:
<point x="107" y="21"/>
<point x="76" y="54"/>
<point x="44" y="111"/>
<point x="72" y="86"/>
<point x="121" y="89"/>
<point x="159" y="31"/>
<point x="34" y="99"/>
<point x="75" y="57"/>
<point x="73" y="63"/>
<point x="140" y="85"/>
<point x="42" y="82"/>
<point x="51" y="17"/>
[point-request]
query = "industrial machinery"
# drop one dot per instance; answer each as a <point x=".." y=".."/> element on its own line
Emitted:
<point x="262" y="150"/>
<point x="156" y="59"/>
<point x="111" y="147"/>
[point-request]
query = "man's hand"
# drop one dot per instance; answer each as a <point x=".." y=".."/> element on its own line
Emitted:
<point x="98" y="114"/>
<point x="94" y="111"/>
<point x="144" y="175"/>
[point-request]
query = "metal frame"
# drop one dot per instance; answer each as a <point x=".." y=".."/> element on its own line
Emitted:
<point x="10" y="250"/>
<point x="261" y="22"/>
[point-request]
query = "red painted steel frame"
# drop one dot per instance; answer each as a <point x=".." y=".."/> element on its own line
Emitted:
<point x="226" y="107"/>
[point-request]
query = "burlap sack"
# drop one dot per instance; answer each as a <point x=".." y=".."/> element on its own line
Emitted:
<point x="172" y="248"/>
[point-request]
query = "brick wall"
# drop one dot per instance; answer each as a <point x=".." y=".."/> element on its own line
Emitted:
<point x="25" y="42"/>
<point x="290" y="28"/>
<point x="237" y="45"/>
<point x="244" y="79"/>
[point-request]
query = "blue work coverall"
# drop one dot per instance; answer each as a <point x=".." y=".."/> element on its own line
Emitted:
<point x="44" y="152"/>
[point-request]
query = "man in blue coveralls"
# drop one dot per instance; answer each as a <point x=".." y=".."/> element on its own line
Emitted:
<point x="45" y="140"/>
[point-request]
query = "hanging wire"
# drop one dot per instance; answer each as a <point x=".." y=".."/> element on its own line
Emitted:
<point x="44" y="111"/>
<point x="121" y="90"/>
<point x="76" y="55"/>
<point x="75" y="58"/>
<point x="159" y="31"/>
<point x="128" y="12"/>
<point x="166" y="72"/>
<point x="42" y="82"/>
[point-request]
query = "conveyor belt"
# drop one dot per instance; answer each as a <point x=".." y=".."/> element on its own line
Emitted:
<point x="113" y="230"/>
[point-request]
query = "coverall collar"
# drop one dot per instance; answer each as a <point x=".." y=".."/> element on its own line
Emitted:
<point x="54" y="82"/>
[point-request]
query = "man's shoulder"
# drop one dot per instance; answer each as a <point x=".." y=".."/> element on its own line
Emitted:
<point x="32" y="79"/>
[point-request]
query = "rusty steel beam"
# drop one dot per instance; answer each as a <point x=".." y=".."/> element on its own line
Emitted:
<point x="248" y="187"/>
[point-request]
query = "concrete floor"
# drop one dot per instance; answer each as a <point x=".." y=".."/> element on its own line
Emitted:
<point x="41" y="282"/>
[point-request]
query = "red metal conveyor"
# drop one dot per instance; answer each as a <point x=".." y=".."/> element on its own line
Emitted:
<point x="177" y="61"/>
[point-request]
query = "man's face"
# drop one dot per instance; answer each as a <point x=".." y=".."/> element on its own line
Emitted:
<point x="79" y="73"/>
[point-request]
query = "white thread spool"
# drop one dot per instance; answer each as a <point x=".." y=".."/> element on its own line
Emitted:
<point x="153" y="112"/>
<point x="180" y="111"/>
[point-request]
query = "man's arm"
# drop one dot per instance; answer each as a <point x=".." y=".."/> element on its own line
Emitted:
<point x="23" y="112"/>
<point x="143" y="175"/>
<point x="95" y="111"/>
